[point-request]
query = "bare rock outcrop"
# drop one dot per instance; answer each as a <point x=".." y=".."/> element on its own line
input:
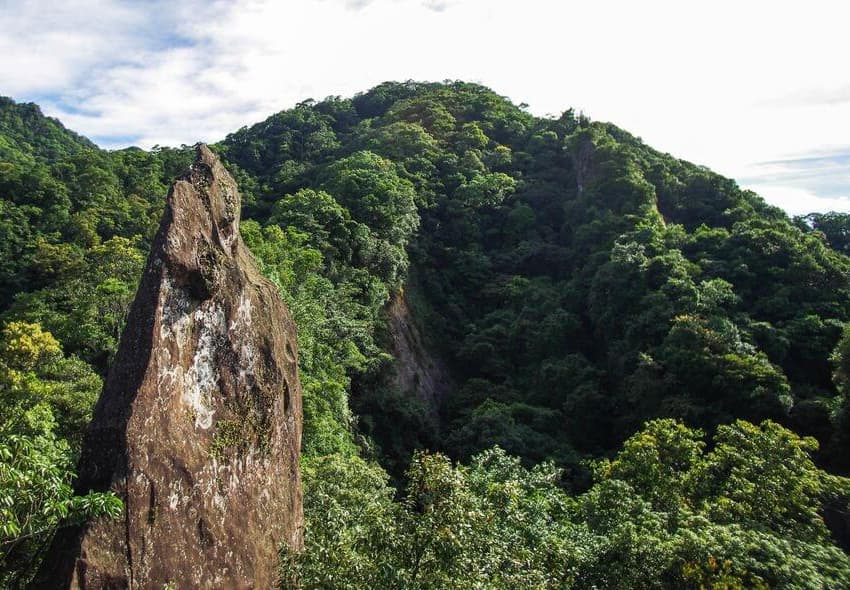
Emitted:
<point x="198" y="428"/>
<point x="417" y="370"/>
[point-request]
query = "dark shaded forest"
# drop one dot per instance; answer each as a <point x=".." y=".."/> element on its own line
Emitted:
<point x="535" y="352"/>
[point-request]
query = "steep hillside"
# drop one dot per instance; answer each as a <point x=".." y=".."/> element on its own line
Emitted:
<point x="577" y="281"/>
<point x="27" y="135"/>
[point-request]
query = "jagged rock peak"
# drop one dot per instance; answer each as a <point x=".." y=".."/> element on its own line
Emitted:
<point x="198" y="427"/>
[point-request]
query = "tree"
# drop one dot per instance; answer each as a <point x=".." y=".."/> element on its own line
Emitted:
<point x="87" y="303"/>
<point x="42" y="391"/>
<point x="371" y="189"/>
<point x="36" y="498"/>
<point x="737" y="514"/>
<point x="45" y="403"/>
<point x="351" y="528"/>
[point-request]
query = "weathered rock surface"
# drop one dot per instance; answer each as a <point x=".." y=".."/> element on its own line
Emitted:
<point x="417" y="370"/>
<point x="199" y="424"/>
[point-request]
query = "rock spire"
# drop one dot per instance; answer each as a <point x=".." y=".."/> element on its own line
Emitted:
<point x="198" y="427"/>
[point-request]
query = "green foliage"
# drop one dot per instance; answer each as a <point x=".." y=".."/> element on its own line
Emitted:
<point x="350" y="527"/>
<point x="578" y="282"/>
<point x="664" y="513"/>
<point x="87" y="301"/>
<point x="486" y="189"/>
<point x="835" y="228"/>
<point x="28" y="135"/>
<point x="763" y="477"/>
<point x="45" y="404"/>
<point x="41" y="391"/>
<point x="486" y="526"/>
<point x="369" y="187"/>
<point x="736" y="514"/>
<point x="36" y="498"/>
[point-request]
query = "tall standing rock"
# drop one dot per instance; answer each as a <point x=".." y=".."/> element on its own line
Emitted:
<point x="198" y="428"/>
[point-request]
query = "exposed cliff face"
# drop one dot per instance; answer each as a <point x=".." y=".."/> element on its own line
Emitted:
<point x="199" y="424"/>
<point x="416" y="370"/>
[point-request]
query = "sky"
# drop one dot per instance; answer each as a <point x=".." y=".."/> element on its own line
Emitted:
<point x="758" y="91"/>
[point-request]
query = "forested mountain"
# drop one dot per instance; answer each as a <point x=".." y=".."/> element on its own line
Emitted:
<point x="639" y="370"/>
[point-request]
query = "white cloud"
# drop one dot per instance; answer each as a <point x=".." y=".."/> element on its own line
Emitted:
<point x="46" y="45"/>
<point x="725" y="84"/>
<point x="797" y="201"/>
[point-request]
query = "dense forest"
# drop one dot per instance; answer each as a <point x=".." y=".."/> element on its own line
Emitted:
<point x="535" y="352"/>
